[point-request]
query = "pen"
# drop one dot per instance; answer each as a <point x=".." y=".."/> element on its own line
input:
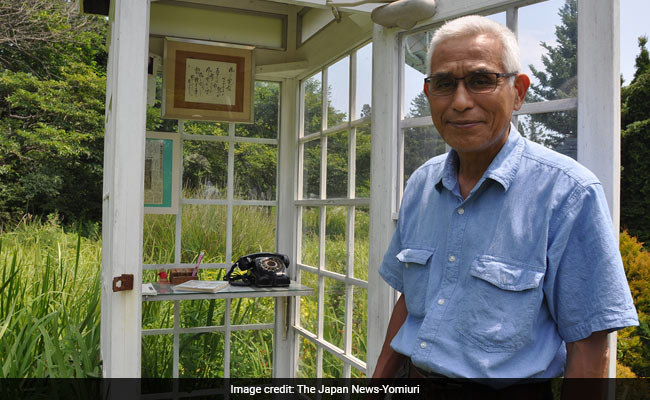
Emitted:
<point x="196" y="268"/>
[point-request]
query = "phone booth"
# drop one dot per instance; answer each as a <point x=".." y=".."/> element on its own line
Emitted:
<point x="289" y="127"/>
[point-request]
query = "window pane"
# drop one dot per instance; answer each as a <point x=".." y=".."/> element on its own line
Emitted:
<point x="266" y="112"/>
<point x="306" y="359"/>
<point x="158" y="239"/>
<point x="251" y="354"/>
<point x="313" y="111"/>
<point x="498" y="17"/>
<point x="206" y="128"/>
<point x="337" y="165"/>
<point x="201" y="355"/>
<point x="155" y="122"/>
<point x="362" y="176"/>
<point x="332" y="366"/>
<point x="338" y="93"/>
<point x="334" y="312"/>
<point x="310" y="235"/>
<point x="202" y="313"/>
<point x="311" y="170"/>
<point x="157" y="355"/>
<point x="203" y="228"/>
<point x="415" y="52"/>
<point x="335" y="243"/>
<point x="309" y="304"/>
<point x="255" y="171"/>
<point x="557" y="130"/>
<point x="548" y="37"/>
<point x="157" y="315"/>
<point x="359" y="322"/>
<point x="364" y="81"/>
<point x="252" y="310"/>
<point x="361" y="242"/>
<point x="205" y="169"/>
<point x="253" y="230"/>
<point x="420" y="144"/>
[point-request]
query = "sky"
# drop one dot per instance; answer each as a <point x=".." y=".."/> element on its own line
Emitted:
<point x="536" y="24"/>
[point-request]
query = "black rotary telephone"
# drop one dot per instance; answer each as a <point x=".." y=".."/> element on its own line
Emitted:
<point x="260" y="269"/>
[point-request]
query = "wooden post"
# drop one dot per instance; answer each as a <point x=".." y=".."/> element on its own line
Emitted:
<point x="123" y="196"/>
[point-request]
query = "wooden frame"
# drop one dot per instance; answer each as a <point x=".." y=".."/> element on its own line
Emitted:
<point x="161" y="170"/>
<point x="207" y="81"/>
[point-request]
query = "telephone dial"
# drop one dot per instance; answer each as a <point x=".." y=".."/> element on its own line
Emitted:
<point x="260" y="269"/>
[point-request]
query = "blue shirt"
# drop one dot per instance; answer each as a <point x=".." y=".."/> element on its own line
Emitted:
<point x="496" y="283"/>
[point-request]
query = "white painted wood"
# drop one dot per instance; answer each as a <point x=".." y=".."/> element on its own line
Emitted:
<point x="599" y="138"/>
<point x="382" y="183"/>
<point x="122" y="215"/>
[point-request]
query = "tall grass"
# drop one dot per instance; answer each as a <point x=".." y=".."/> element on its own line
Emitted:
<point x="49" y="302"/>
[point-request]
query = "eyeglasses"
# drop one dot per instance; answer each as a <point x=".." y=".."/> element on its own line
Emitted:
<point x="476" y="82"/>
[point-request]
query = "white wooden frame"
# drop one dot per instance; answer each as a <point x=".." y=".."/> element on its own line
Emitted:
<point x="350" y="202"/>
<point x="598" y="121"/>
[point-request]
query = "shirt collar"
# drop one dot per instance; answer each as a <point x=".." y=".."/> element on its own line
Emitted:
<point x="502" y="169"/>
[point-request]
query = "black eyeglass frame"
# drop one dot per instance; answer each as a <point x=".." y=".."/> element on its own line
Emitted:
<point x="498" y="75"/>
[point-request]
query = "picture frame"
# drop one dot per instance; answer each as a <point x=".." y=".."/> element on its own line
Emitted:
<point x="207" y="81"/>
<point x="162" y="172"/>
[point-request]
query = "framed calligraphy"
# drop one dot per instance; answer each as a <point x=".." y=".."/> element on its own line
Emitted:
<point x="207" y="81"/>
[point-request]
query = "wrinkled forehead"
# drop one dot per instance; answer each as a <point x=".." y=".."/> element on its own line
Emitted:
<point x="482" y="51"/>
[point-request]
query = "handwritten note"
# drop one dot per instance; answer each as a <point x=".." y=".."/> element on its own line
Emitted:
<point x="212" y="82"/>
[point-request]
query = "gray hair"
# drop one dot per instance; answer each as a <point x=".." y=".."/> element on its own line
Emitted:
<point x="475" y="25"/>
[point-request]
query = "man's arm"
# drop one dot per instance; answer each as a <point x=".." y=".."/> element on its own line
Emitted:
<point x="586" y="358"/>
<point x="389" y="360"/>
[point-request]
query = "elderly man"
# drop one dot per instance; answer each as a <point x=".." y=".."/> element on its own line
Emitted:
<point x="504" y="251"/>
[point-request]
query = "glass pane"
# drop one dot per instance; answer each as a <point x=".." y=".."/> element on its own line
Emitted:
<point x="420" y="144"/>
<point x="252" y="310"/>
<point x="548" y="37"/>
<point x="206" y="128"/>
<point x="203" y="228"/>
<point x="157" y="315"/>
<point x="337" y="165"/>
<point x="205" y="169"/>
<point x="499" y="17"/>
<point x="332" y="366"/>
<point x="310" y="235"/>
<point x="362" y="176"/>
<point x="355" y="373"/>
<point x="335" y="244"/>
<point x="364" y="81"/>
<point x="309" y="304"/>
<point x="313" y="111"/>
<point x="202" y="313"/>
<point x="253" y="230"/>
<point x="306" y="359"/>
<point x="334" y="312"/>
<point x="311" y="170"/>
<point x="359" y="322"/>
<point x="255" y="171"/>
<point x="338" y="92"/>
<point x="557" y="130"/>
<point x="361" y="242"/>
<point x="266" y="112"/>
<point x="158" y="238"/>
<point x="201" y="355"/>
<point x="251" y="354"/>
<point x="155" y="122"/>
<point x="157" y="355"/>
<point x="415" y="52"/>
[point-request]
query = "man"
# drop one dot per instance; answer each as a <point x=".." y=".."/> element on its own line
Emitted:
<point x="504" y="251"/>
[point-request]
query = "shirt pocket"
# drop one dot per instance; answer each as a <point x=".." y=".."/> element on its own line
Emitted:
<point x="500" y="302"/>
<point x="415" y="271"/>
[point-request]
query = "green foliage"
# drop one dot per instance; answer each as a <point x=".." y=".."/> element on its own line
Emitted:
<point x="559" y="80"/>
<point x="634" y="342"/>
<point x="420" y="144"/>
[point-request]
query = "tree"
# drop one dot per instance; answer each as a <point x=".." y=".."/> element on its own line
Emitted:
<point x="51" y="111"/>
<point x="557" y="81"/>
<point x="635" y="149"/>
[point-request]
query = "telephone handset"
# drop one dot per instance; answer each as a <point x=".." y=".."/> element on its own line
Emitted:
<point x="260" y="269"/>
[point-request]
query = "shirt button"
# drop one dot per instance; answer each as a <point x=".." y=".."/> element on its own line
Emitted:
<point x="452" y="258"/>
<point x="461" y="211"/>
<point x="423" y="345"/>
<point x="441" y="301"/>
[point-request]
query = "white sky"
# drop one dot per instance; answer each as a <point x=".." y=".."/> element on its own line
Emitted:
<point x="536" y="24"/>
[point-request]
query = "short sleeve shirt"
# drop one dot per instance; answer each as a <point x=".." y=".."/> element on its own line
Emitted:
<point x="497" y="283"/>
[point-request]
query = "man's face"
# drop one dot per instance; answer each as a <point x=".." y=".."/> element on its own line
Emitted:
<point x="469" y="122"/>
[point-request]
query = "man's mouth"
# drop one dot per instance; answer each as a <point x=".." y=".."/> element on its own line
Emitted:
<point x="464" y="123"/>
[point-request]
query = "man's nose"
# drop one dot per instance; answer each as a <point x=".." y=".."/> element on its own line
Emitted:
<point x="462" y="99"/>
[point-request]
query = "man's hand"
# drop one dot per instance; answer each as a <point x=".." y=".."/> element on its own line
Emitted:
<point x="389" y="360"/>
<point x="586" y="358"/>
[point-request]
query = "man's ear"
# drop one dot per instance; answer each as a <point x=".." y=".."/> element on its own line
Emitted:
<point x="426" y="89"/>
<point x="522" y="82"/>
